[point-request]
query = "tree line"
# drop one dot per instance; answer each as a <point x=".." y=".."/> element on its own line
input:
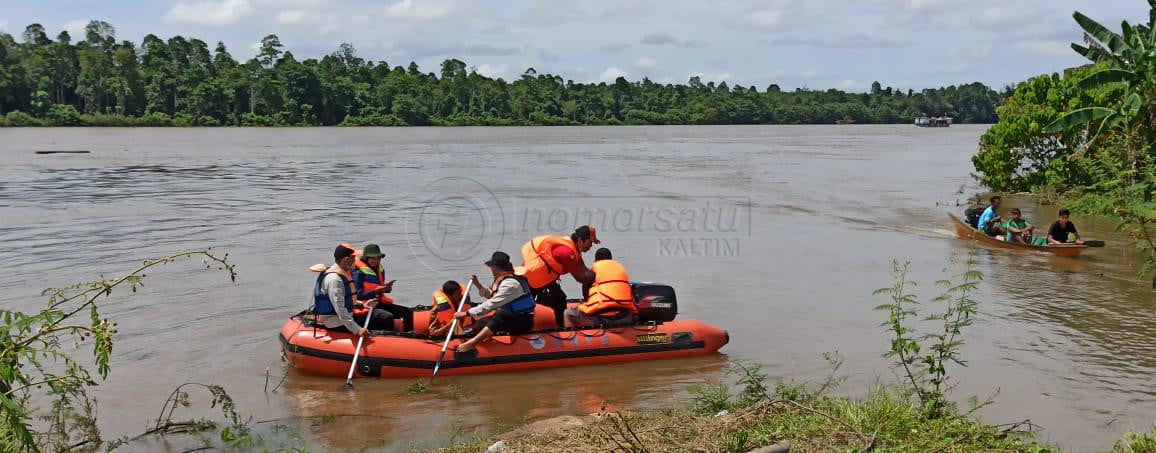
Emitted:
<point x="100" y="81"/>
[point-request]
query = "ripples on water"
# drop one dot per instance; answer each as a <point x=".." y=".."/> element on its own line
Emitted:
<point x="825" y="209"/>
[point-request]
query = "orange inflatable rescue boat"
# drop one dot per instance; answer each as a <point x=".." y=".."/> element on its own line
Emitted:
<point x="314" y="350"/>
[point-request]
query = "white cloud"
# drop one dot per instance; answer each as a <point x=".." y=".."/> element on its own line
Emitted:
<point x="970" y="53"/>
<point x="851" y="84"/>
<point x="918" y="12"/>
<point x="75" y="28"/>
<point x="428" y="10"/>
<point x="855" y="41"/>
<point x="804" y="75"/>
<point x="1044" y="48"/>
<point x="1002" y="17"/>
<point x="212" y="13"/>
<point x="495" y="71"/>
<point x="721" y="77"/>
<point x="766" y="19"/>
<point x="3" y="23"/>
<point x="292" y="16"/>
<point x="610" y="74"/>
<point x="646" y="63"/>
<point x="923" y="6"/>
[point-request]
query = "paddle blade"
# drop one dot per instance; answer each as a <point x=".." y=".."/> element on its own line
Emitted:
<point x="318" y="267"/>
<point x="1094" y="243"/>
<point x="349" y="384"/>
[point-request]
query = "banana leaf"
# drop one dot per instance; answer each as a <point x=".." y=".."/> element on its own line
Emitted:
<point x="1078" y="117"/>
<point x="1085" y="52"/>
<point x="1099" y="32"/>
<point x="1101" y="77"/>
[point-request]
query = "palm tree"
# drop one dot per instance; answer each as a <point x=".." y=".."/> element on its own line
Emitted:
<point x="1128" y="59"/>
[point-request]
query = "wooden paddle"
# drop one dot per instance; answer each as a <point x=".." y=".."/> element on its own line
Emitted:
<point x="450" y="333"/>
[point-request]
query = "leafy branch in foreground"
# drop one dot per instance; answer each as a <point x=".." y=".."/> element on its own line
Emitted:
<point x="1141" y="224"/>
<point x="924" y="358"/>
<point x="36" y="365"/>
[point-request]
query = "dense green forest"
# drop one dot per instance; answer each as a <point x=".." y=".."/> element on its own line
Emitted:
<point x="100" y="81"/>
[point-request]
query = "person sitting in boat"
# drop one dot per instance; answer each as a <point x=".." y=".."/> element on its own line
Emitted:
<point x="989" y="221"/>
<point x="333" y="298"/>
<point x="1063" y="231"/>
<point x="369" y="279"/>
<point x="546" y="258"/>
<point x="610" y="300"/>
<point x="509" y="298"/>
<point x="445" y="305"/>
<point x="1019" y="230"/>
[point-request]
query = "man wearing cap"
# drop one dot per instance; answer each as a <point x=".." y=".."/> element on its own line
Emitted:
<point x="333" y="298"/>
<point x="369" y="279"/>
<point x="509" y="298"/>
<point x="546" y="258"/>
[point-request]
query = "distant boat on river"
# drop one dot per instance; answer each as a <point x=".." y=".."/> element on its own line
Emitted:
<point x="933" y="121"/>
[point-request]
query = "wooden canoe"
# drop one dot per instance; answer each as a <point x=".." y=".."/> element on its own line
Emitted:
<point x="967" y="232"/>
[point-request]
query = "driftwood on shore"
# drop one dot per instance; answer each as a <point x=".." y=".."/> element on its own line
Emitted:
<point x="77" y="151"/>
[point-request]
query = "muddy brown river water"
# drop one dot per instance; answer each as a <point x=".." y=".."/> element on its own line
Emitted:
<point x="778" y="234"/>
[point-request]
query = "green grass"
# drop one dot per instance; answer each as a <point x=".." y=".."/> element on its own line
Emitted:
<point x="881" y="422"/>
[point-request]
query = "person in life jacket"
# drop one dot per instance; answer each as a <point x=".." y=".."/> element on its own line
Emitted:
<point x="445" y="304"/>
<point x="610" y="299"/>
<point x="333" y="298"/>
<point x="369" y="279"/>
<point x="509" y="298"/>
<point x="546" y="258"/>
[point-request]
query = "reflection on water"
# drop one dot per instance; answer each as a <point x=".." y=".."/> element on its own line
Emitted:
<point x="821" y="213"/>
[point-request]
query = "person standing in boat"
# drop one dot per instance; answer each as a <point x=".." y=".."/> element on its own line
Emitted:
<point x="546" y="258"/>
<point x="610" y="300"/>
<point x="990" y="221"/>
<point x="369" y="279"/>
<point x="333" y="298"/>
<point x="1063" y="230"/>
<point x="509" y="298"/>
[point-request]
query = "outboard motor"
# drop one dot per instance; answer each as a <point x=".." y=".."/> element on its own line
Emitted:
<point x="655" y="302"/>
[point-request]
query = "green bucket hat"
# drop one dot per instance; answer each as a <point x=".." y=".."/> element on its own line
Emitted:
<point x="371" y="251"/>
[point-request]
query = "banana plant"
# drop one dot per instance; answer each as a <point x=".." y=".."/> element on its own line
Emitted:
<point x="1129" y="59"/>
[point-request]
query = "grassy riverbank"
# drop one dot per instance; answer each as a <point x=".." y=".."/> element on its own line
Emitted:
<point x="881" y="421"/>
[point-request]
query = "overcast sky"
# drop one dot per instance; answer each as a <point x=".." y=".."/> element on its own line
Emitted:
<point x="813" y="43"/>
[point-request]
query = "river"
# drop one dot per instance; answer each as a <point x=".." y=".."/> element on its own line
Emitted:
<point x="778" y="234"/>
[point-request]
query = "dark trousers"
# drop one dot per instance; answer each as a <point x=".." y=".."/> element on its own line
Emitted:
<point x="552" y="296"/>
<point x="397" y="311"/>
<point x="380" y="320"/>
<point x="507" y="322"/>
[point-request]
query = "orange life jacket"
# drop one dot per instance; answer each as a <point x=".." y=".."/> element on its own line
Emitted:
<point x="610" y="292"/>
<point x="442" y="313"/>
<point x="538" y="263"/>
